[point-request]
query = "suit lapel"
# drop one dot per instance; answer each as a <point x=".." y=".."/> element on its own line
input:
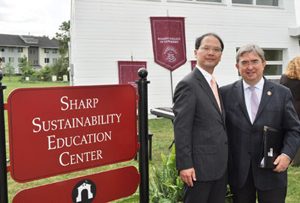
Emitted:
<point x="239" y="92"/>
<point x="207" y="89"/>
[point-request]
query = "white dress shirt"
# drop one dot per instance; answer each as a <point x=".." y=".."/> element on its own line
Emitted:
<point x="206" y="75"/>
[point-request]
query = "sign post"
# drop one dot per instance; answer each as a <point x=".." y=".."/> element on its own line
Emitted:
<point x="143" y="133"/>
<point x="3" y="172"/>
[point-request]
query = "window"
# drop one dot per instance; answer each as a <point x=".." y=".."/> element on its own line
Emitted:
<point x="54" y="60"/>
<point x="210" y="0"/>
<point x="3" y="59"/>
<point x="2" y="50"/>
<point x="47" y="60"/>
<point x="46" y="50"/>
<point x="10" y="49"/>
<point x="242" y="1"/>
<point x="257" y="2"/>
<point x="274" y="61"/>
<point x="54" y="51"/>
<point x="267" y="2"/>
<point x="219" y="1"/>
<point x="11" y="59"/>
<point x="31" y="51"/>
<point x="20" y="50"/>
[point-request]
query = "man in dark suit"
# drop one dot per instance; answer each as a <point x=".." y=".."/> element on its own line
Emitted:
<point x="250" y="104"/>
<point x="199" y="127"/>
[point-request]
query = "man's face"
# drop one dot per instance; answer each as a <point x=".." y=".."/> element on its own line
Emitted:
<point x="209" y="53"/>
<point x="251" y="67"/>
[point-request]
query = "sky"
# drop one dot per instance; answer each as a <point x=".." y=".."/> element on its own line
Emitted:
<point x="43" y="17"/>
<point x="34" y="17"/>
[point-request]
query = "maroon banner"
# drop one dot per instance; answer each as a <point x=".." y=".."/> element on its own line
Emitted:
<point x="102" y="187"/>
<point x="63" y="129"/>
<point x="128" y="71"/>
<point x="168" y="39"/>
<point x="193" y="64"/>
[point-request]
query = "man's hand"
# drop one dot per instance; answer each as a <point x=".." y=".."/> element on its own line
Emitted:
<point x="188" y="176"/>
<point x="282" y="163"/>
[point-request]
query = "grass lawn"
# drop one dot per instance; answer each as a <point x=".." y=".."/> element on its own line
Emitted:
<point x="162" y="138"/>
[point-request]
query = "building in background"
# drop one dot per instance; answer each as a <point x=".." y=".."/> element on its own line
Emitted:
<point x="105" y="32"/>
<point x="40" y="51"/>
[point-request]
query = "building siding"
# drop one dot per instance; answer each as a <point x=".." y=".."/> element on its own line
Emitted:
<point x="105" y="32"/>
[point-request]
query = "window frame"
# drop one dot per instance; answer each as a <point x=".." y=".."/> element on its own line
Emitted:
<point x="198" y="1"/>
<point x="254" y="3"/>
<point x="275" y="62"/>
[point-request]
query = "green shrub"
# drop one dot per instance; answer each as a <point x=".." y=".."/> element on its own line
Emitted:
<point x="9" y="70"/>
<point x="165" y="185"/>
<point x="26" y="69"/>
<point x="43" y="74"/>
<point x="60" y="68"/>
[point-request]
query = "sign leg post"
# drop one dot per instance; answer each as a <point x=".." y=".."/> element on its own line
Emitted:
<point x="143" y="133"/>
<point x="3" y="172"/>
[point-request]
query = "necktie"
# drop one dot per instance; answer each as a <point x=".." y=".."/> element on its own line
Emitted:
<point x="253" y="103"/>
<point x="214" y="88"/>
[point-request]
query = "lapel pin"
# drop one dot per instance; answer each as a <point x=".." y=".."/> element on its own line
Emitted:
<point x="269" y="93"/>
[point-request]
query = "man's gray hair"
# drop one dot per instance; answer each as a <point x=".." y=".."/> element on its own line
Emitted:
<point x="250" y="48"/>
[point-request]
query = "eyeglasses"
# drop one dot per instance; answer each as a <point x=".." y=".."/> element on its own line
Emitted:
<point x="211" y="49"/>
<point x="252" y="62"/>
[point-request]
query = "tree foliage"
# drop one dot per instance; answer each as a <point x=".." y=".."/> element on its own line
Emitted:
<point x="25" y="68"/>
<point x="9" y="70"/>
<point x="63" y="36"/>
<point x="60" y="68"/>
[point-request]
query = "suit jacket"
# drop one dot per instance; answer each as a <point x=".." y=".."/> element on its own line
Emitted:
<point x="199" y="127"/>
<point x="245" y="139"/>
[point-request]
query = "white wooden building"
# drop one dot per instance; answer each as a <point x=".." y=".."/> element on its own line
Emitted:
<point x="104" y="32"/>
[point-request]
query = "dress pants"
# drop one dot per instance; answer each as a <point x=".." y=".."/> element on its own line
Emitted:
<point x="248" y="193"/>
<point x="206" y="192"/>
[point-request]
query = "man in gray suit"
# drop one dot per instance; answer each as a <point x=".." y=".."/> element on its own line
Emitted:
<point x="250" y="104"/>
<point x="199" y="127"/>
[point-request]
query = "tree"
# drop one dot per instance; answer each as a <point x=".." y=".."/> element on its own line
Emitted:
<point x="60" y="68"/>
<point x="63" y="36"/>
<point x="9" y="70"/>
<point x="26" y="68"/>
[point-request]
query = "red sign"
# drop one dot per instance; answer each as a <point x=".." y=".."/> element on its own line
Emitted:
<point x="128" y="71"/>
<point x="102" y="187"/>
<point x="168" y="39"/>
<point x="62" y="129"/>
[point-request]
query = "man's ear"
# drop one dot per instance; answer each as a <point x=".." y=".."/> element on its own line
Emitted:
<point x="237" y="66"/>
<point x="264" y="64"/>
